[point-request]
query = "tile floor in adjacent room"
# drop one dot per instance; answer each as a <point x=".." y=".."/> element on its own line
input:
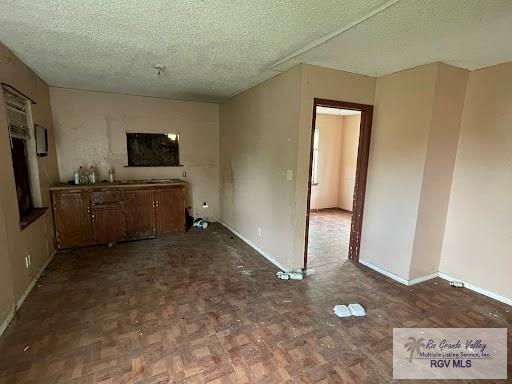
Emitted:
<point x="204" y="307"/>
<point x="329" y="235"/>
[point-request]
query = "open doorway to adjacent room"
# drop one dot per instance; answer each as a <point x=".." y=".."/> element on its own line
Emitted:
<point x="339" y="159"/>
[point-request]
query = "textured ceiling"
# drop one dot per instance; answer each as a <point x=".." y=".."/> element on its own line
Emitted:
<point x="214" y="49"/>
<point x="470" y="34"/>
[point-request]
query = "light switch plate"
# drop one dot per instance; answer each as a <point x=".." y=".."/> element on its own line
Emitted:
<point x="289" y="174"/>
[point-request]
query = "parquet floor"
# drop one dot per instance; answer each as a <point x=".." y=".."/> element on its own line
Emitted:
<point x="329" y="235"/>
<point x="203" y="307"/>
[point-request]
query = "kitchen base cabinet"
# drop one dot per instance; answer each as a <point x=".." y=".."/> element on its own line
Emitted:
<point x="108" y="223"/>
<point x="170" y="211"/>
<point x="73" y="222"/>
<point x="104" y="214"/>
<point x="140" y="214"/>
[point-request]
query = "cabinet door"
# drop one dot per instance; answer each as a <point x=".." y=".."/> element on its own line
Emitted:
<point x="170" y="210"/>
<point x="139" y="211"/>
<point x="72" y="219"/>
<point x="108" y="223"/>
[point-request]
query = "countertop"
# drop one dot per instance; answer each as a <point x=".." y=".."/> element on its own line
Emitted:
<point x="120" y="184"/>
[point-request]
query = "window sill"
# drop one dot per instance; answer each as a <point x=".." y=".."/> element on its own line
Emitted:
<point x="31" y="216"/>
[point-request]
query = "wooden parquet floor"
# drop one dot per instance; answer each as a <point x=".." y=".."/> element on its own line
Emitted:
<point x="203" y="307"/>
<point x="329" y="236"/>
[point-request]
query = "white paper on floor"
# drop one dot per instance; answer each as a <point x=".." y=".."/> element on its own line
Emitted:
<point x="342" y="311"/>
<point x="350" y="310"/>
<point x="356" y="310"/>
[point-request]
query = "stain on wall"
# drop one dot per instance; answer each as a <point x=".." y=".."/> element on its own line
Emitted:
<point x="91" y="129"/>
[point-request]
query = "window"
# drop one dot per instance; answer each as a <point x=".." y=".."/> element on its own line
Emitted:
<point x="24" y="160"/>
<point x="316" y="139"/>
<point x="19" y="162"/>
<point x="153" y="149"/>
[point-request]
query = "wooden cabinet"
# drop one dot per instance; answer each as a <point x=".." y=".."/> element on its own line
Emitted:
<point x="139" y="214"/>
<point x="170" y="210"/>
<point x="108" y="223"/>
<point x="72" y="219"/>
<point x="101" y="215"/>
<point x="106" y="197"/>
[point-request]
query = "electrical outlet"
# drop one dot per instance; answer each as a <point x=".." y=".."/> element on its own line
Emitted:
<point x="259" y="231"/>
<point x="289" y="174"/>
<point x="184" y="173"/>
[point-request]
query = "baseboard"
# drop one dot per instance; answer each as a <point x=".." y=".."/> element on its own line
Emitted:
<point x="401" y="280"/>
<point x="441" y="275"/>
<point x="252" y="245"/>
<point x="24" y="295"/>
<point x="477" y="289"/>
<point x="391" y="275"/>
<point x="6" y="322"/>
<point x="421" y="279"/>
<point x="330" y="209"/>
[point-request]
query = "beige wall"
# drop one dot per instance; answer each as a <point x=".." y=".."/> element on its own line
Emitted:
<point x="258" y="145"/>
<point x="401" y="123"/>
<point x="477" y="245"/>
<point x="337" y="161"/>
<point x="438" y="169"/>
<point x="318" y="82"/>
<point x="37" y="239"/>
<point x="7" y="298"/>
<point x="348" y="161"/>
<point x="325" y="193"/>
<point x="415" y="130"/>
<point x="90" y="129"/>
<point x="265" y="132"/>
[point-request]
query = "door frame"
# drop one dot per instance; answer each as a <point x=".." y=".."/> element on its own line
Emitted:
<point x="363" y="153"/>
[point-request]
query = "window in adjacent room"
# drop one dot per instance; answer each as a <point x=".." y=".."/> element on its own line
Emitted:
<point x="316" y="138"/>
<point x="24" y="160"/>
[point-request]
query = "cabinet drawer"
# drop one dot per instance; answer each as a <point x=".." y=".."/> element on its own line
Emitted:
<point x="105" y="197"/>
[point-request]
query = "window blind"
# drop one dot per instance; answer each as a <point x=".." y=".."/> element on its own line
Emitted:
<point x="16" y="115"/>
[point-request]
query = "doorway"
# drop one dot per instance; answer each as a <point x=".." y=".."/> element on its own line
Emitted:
<point x="340" y="143"/>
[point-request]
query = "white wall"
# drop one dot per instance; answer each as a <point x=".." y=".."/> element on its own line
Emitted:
<point x="91" y="130"/>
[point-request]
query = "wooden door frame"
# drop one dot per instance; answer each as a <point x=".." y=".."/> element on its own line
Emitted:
<point x="363" y="153"/>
